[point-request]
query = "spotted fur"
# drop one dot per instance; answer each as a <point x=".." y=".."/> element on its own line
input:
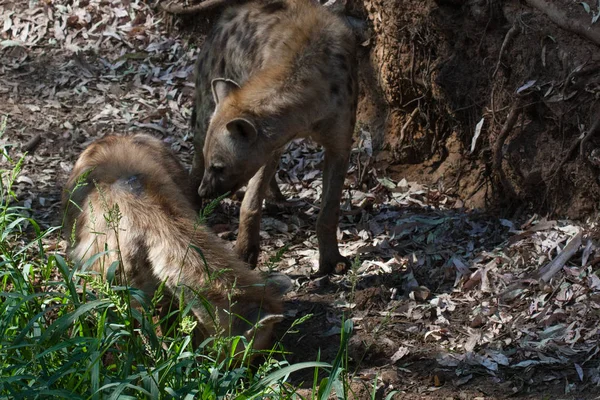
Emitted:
<point x="272" y="71"/>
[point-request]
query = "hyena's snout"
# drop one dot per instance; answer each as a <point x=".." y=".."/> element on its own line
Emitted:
<point x="211" y="187"/>
<point x="206" y="189"/>
<point x="218" y="184"/>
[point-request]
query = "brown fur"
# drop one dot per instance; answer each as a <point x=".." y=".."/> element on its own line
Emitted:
<point x="153" y="236"/>
<point x="277" y="70"/>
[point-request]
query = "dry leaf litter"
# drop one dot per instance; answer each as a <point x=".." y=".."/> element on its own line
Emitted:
<point x="429" y="278"/>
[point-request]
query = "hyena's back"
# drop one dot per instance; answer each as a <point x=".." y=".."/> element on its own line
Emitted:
<point x="136" y="173"/>
<point x="293" y="46"/>
<point x="154" y="234"/>
<point x="126" y="161"/>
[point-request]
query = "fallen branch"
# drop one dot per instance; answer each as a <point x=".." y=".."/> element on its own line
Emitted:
<point x="545" y="273"/>
<point x="511" y="120"/>
<point x="559" y="17"/>
<point x="178" y="9"/>
<point x="550" y="269"/>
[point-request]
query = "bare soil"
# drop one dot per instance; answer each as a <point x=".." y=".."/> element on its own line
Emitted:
<point x="436" y="69"/>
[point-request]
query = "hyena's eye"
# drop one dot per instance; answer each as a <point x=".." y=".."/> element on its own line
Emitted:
<point x="217" y="169"/>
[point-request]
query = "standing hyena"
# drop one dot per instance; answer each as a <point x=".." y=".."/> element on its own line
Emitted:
<point x="272" y="71"/>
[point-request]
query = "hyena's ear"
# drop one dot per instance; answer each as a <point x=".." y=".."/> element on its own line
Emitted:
<point x="242" y="128"/>
<point x="221" y="88"/>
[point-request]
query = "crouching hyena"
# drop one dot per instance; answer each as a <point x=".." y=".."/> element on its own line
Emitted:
<point x="155" y="236"/>
<point x="272" y="71"/>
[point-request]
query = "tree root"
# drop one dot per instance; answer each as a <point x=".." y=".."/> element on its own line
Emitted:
<point x="172" y="7"/>
<point x="178" y="9"/>
<point x="407" y="123"/>
<point x="510" y="122"/>
<point x="593" y="130"/>
<point x="579" y="143"/>
<point x="507" y="39"/>
<point x="559" y="17"/>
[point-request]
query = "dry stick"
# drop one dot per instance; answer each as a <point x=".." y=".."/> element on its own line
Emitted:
<point x="32" y="144"/>
<point x="559" y="17"/>
<point x="512" y="118"/>
<point x="179" y="9"/>
<point x="550" y="269"/>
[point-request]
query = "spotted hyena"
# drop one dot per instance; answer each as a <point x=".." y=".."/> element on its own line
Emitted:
<point x="155" y="237"/>
<point x="272" y="71"/>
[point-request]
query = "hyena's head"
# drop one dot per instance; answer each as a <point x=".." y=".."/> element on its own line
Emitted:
<point x="232" y="149"/>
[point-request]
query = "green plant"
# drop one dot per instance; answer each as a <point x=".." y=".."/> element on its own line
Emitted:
<point x="276" y="258"/>
<point x="67" y="333"/>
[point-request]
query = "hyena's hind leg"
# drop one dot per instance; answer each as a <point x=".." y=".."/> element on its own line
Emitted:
<point x="274" y="193"/>
<point x="337" y="157"/>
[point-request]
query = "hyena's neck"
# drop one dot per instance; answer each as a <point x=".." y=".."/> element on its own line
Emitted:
<point x="280" y="107"/>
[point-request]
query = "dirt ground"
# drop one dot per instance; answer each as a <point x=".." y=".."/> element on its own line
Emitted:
<point x="445" y="299"/>
<point x="441" y="78"/>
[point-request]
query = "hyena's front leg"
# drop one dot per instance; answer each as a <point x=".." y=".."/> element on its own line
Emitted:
<point x="274" y="193"/>
<point x="334" y="172"/>
<point x="248" y="240"/>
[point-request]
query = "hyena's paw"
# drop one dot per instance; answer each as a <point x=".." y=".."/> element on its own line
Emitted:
<point x="337" y="264"/>
<point x="249" y="254"/>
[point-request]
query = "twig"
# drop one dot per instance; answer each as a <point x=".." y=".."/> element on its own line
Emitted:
<point x="507" y="39"/>
<point x="550" y="269"/>
<point x="32" y="143"/>
<point x="559" y="17"/>
<point x="512" y="118"/>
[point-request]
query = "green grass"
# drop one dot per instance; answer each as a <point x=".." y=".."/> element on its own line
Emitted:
<point x="65" y="333"/>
